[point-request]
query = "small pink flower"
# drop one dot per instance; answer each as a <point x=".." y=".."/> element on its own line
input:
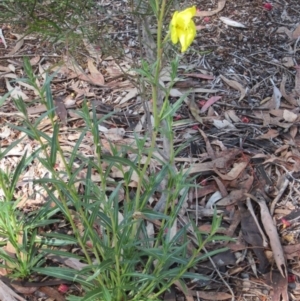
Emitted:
<point x="285" y="223"/>
<point x="202" y="102"/>
<point x="63" y="288"/>
<point x="291" y="278"/>
<point x="268" y="6"/>
<point x="206" y="19"/>
<point x="245" y="119"/>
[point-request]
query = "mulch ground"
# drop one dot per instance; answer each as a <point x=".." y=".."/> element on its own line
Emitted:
<point x="243" y="75"/>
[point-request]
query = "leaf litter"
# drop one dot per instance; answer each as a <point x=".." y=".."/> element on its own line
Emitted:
<point x="231" y="159"/>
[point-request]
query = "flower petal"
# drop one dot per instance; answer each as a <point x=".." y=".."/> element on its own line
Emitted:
<point x="183" y="28"/>
<point x="189" y="13"/>
<point x="188" y="36"/>
<point x="174" y="19"/>
<point x="174" y="35"/>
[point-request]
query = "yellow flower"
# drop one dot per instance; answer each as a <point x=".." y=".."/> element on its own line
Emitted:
<point x="183" y="28"/>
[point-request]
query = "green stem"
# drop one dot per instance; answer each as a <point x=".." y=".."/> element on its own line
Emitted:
<point x="155" y="104"/>
<point x="155" y="90"/>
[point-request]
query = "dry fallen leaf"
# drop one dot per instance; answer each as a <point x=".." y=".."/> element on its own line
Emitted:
<point x="60" y="110"/>
<point x="93" y="52"/>
<point x="221" y="5"/>
<point x="289" y="116"/>
<point x="231" y="115"/>
<point x="220" y="162"/>
<point x="214" y="296"/>
<point x="231" y="22"/>
<point x="234" y="172"/>
<point x="16" y="92"/>
<point x="272" y="233"/>
<point x="235" y="85"/>
<point x="200" y="75"/>
<point x="279" y="285"/>
<point x="2" y="38"/>
<point x="195" y="110"/>
<point x="5" y="69"/>
<point x="252" y="235"/>
<point x="222" y="124"/>
<point x="18" y="45"/>
<point x="209" y="148"/>
<point x="242" y="184"/>
<point x="271" y="134"/>
<point x="297" y="80"/>
<point x="214" y="198"/>
<point x="52" y="293"/>
<point x="286" y="31"/>
<point x="95" y="78"/>
<point x="132" y="92"/>
<point x="275" y="101"/>
<point x="7" y="294"/>
<point x="24" y="289"/>
<point x="114" y="134"/>
<point x="296" y="32"/>
<point x="35" y="60"/>
<point x="210" y="102"/>
<point x="287" y="61"/>
<point x="95" y="74"/>
<point x="175" y="93"/>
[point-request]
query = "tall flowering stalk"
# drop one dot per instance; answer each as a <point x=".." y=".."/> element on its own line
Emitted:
<point x="182" y="30"/>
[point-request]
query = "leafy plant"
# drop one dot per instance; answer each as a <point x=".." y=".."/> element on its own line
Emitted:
<point x="109" y="220"/>
<point x="17" y="232"/>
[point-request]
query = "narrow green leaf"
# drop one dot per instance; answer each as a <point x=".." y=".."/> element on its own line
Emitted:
<point x="10" y="147"/>
<point x="96" y="294"/>
<point x="195" y="276"/>
<point x="220" y="238"/>
<point x="197" y="232"/>
<point x="20" y="105"/>
<point x="76" y="147"/>
<point x="49" y="98"/>
<point x="209" y="254"/>
<point x="42" y="116"/>
<point x="63" y="273"/>
<point x="123" y="161"/>
<point x="54" y="146"/>
<point x="4" y="97"/>
<point x="28" y="70"/>
<point x="153" y="215"/>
